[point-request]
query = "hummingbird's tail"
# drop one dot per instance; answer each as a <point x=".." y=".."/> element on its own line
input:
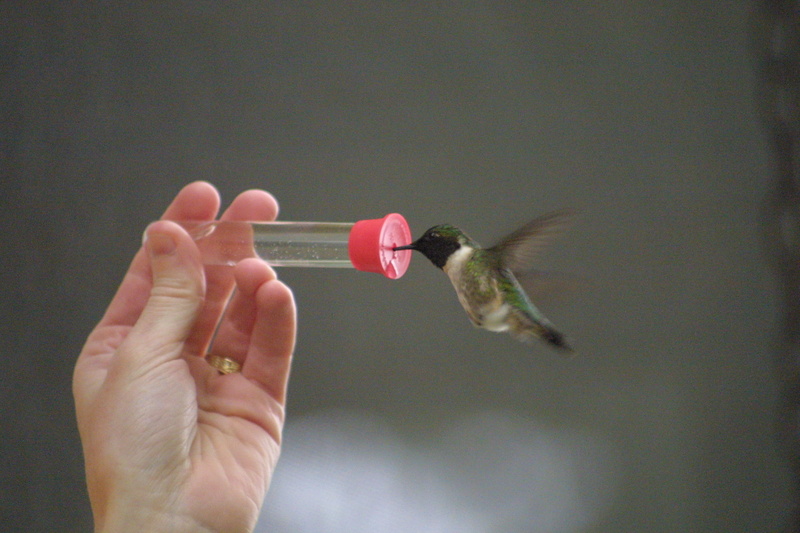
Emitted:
<point x="556" y="339"/>
<point x="547" y="332"/>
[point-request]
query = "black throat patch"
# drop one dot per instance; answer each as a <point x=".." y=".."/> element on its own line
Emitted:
<point x="438" y="251"/>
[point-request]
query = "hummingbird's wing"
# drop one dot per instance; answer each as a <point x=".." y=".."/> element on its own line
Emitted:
<point x="545" y="284"/>
<point x="518" y="251"/>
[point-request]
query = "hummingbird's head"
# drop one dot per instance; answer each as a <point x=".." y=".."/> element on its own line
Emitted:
<point x="438" y="243"/>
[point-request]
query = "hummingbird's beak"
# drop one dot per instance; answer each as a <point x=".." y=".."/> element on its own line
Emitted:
<point x="411" y="246"/>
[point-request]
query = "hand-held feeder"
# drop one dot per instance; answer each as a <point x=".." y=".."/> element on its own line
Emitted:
<point x="367" y="245"/>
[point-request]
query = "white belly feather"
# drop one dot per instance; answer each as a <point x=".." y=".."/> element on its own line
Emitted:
<point x="490" y="314"/>
<point x="494" y="317"/>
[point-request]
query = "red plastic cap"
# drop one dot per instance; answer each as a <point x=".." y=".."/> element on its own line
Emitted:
<point x="371" y="245"/>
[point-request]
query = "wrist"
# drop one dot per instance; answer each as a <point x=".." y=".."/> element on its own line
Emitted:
<point x="122" y="520"/>
<point x="124" y="514"/>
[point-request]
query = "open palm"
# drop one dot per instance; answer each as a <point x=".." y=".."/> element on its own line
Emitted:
<point x="169" y="443"/>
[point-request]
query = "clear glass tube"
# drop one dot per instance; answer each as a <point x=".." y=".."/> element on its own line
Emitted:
<point x="298" y="244"/>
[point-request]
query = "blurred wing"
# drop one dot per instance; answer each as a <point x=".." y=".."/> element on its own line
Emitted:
<point x="519" y="250"/>
<point x="546" y="286"/>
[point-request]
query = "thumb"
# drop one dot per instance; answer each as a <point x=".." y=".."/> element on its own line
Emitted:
<point x="175" y="301"/>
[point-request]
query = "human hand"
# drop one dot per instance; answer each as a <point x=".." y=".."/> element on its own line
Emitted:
<point x="169" y="443"/>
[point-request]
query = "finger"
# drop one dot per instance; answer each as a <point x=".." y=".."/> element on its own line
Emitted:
<point x="273" y="338"/>
<point x="252" y="205"/>
<point x="250" y="275"/>
<point x="196" y="201"/>
<point x="233" y="337"/>
<point x="174" y="301"/>
<point x="255" y="205"/>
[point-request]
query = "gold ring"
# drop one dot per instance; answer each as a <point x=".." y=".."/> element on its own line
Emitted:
<point x="224" y="365"/>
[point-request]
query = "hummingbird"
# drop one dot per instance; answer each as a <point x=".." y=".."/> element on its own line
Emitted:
<point x="485" y="279"/>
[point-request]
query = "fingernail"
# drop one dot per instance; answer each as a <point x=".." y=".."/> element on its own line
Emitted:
<point x="160" y="244"/>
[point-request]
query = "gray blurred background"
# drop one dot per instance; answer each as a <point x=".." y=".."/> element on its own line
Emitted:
<point x="402" y="416"/>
